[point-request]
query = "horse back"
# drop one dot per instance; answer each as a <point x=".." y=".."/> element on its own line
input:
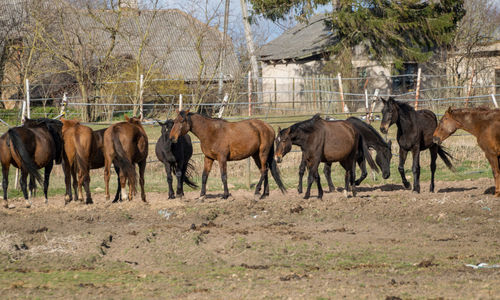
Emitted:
<point x="132" y="138"/>
<point x="427" y="123"/>
<point x="340" y="140"/>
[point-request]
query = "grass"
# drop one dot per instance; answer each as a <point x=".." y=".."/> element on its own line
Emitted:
<point x="469" y="161"/>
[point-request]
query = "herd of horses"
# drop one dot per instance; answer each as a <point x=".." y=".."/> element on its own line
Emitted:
<point x="39" y="143"/>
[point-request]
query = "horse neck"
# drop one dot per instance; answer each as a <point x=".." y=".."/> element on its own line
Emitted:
<point x="201" y="127"/>
<point x="405" y="121"/>
<point x="470" y="122"/>
<point x="299" y="137"/>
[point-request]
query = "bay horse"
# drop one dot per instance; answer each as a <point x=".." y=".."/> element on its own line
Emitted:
<point x="126" y="144"/>
<point x="228" y="141"/>
<point x="82" y="152"/>
<point x="373" y="140"/>
<point x="34" y="145"/>
<point x="483" y="124"/>
<point x="324" y="141"/>
<point x="175" y="158"/>
<point x="415" y="129"/>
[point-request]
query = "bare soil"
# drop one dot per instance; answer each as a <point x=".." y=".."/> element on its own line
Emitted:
<point x="385" y="242"/>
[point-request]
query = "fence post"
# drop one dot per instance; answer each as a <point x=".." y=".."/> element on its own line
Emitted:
<point x="469" y="89"/>
<point x="223" y="106"/>
<point x="141" y="100"/>
<point x="249" y="93"/>
<point x="367" y="107"/>
<point x="293" y="94"/>
<point x="27" y="115"/>
<point x="374" y="103"/>
<point x="180" y="102"/>
<point x="315" y="104"/>
<point x="275" y="94"/>
<point x="494" y="100"/>
<point x="417" y="90"/>
<point x="341" y="90"/>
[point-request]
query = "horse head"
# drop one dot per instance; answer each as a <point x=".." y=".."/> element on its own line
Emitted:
<point x="283" y="143"/>
<point x="446" y="127"/>
<point x="181" y="125"/>
<point x="389" y="114"/>
<point x="383" y="160"/>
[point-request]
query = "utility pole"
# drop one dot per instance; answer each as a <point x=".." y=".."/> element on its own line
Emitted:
<point x="223" y="52"/>
<point x="250" y="45"/>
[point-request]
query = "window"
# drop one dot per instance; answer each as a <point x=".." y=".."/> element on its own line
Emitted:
<point x="407" y="80"/>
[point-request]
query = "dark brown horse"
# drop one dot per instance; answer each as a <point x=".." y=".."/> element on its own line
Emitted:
<point x="324" y="141"/>
<point x="34" y="145"/>
<point x="483" y="124"/>
<point x="125" y="144"/>
<point x="82" y="152"/>
<point x="227" y="141"/>
<point x="415" y="129"/>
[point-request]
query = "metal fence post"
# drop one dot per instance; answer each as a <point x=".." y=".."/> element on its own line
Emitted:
<point x="494" y="100"/>
<point x="341" y="90"/>
<point x="141" y="100"/>
<point x="417" y="90"/>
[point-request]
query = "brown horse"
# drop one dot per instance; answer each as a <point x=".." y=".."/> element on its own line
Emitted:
<point x="82" y="152"/>
<point x="224" y="141"/>
<point x="325" y="141"/>
<point x="483" y="124"/>
<point x="126" y="143"/>
<point x="34" y="145"/>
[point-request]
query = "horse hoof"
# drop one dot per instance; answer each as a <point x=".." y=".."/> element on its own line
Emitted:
<point x="201" y="198"/>
<point x="346" y="194"/>
<point x="172" y="196"/>
<point x="89" y="201"/>
<point x="407" y="185"/>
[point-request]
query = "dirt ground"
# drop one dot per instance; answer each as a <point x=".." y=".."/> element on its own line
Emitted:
<point x="385" y="243"/>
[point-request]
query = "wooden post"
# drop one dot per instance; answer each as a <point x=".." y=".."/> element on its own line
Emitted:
<point x="417" y="90"/>
<point x="275" y="93"/>
<point x="341" y="90"/>
<point x="314" y="92"/>
<point x="141" y="100"/>
<point x="367" y="107"/>
<point x="469" y="89"/>
<point x="27" y="115"/>
<point x="180" y="102"/>
<point x="374" y="103"/>
<point x="249" y="93"/>
<point x="494" y="100"/>
<point x="293" y="94"/>
<point x="223" y="106"/>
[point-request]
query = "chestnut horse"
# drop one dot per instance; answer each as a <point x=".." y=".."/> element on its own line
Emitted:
<point x="325" y="141"/>
<point x="415" y="130"/>
<point x="34" y="145"/>
<point x="82" y="152"/>
<point x="483" y="124"/>
<point x="126" y="143"/>
<point x="228" y="141"/>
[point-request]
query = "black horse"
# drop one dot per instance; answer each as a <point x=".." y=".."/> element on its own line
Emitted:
<point x="324" y="141"/>
<point x="176" y="158"/>
<point x="415" y="129"/>
<point x="36" y="144"/>
<point x="374" y="141"/>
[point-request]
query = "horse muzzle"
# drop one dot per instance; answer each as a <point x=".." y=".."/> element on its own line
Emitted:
<point x="437" y="140"/>
<point x="279" y="158"/>
<point x="174" y="140"/>
<point x="384" y="129"/>
<point x="386" y="175"/>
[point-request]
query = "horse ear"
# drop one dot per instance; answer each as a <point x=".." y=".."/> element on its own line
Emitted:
<point x="127" y="118"/>
<point x="382" y="99"/>
<point x="449" y="110"/>
<point x="288" y="130"/>
<point x="279" y="129"/>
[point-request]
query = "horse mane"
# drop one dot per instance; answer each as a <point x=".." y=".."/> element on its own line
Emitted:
<point x="306" y="125"/>
<point x="482" y="113"/>
<point x="185" y="114"/>
<point x="372" y="130"/>
<point x="405" y="107"/>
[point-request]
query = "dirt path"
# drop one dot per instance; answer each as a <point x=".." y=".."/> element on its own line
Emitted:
<point x="384" y="242"/>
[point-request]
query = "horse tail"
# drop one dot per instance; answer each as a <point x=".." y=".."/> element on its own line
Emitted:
<point x="58" y="141"/>
<point x="273" y="166"/>
<point x="445" y="156"/>
<point x="82" y="163"/>
<point x="188" y="176"/>
<point x="363" y="148"/>
<point x="27" y="162"/>
<point x="123" y="162"/>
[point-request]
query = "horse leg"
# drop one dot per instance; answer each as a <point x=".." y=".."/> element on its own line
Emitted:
<point x="168" y="170"/>
<point x="302" y="170"/>
<point x="75" y="181"/>
<point x="86" y="184"/>
<point x="495" y="167"/>
<point x="123" y="186"/>
<point x="416" y="169"/>
<point x="46" y="179"/>
<point x="22" y="182"/>
<point x="433" y="149"/>
<point x="107" y="166"/>
<point x="312" y="168"/>
<point x="178" y="173"/>
<point x="401" y="168"/>
<point x="5" y="184"/>
<point x="223" y="175"/>
<point x="67" y="180"/>
<point x="362" y="165"/>
<point x="32" y="187"/>
<point x="327" y="170"/>
<point x="318" y="183"/>
<point x="207" y="166"/>
<point x="258" y="187"/>
<point x="264" y="171"/>
<point x="118" y="195"/>
<point x="142" y="170"/>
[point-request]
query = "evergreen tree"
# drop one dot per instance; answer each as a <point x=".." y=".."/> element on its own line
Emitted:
<point x="404" y="30"/>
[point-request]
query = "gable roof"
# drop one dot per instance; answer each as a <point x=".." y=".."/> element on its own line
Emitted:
<point x="301" y="41"/>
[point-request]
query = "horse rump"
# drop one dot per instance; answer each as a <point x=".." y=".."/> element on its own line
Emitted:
<point x="27" y="162"/>
<point x="123" y="162"/>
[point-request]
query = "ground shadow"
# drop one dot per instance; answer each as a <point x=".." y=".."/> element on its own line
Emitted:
<point x="489" y="191"/>
<point x="384" y="188"/>
<point x="456" y="189"/>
